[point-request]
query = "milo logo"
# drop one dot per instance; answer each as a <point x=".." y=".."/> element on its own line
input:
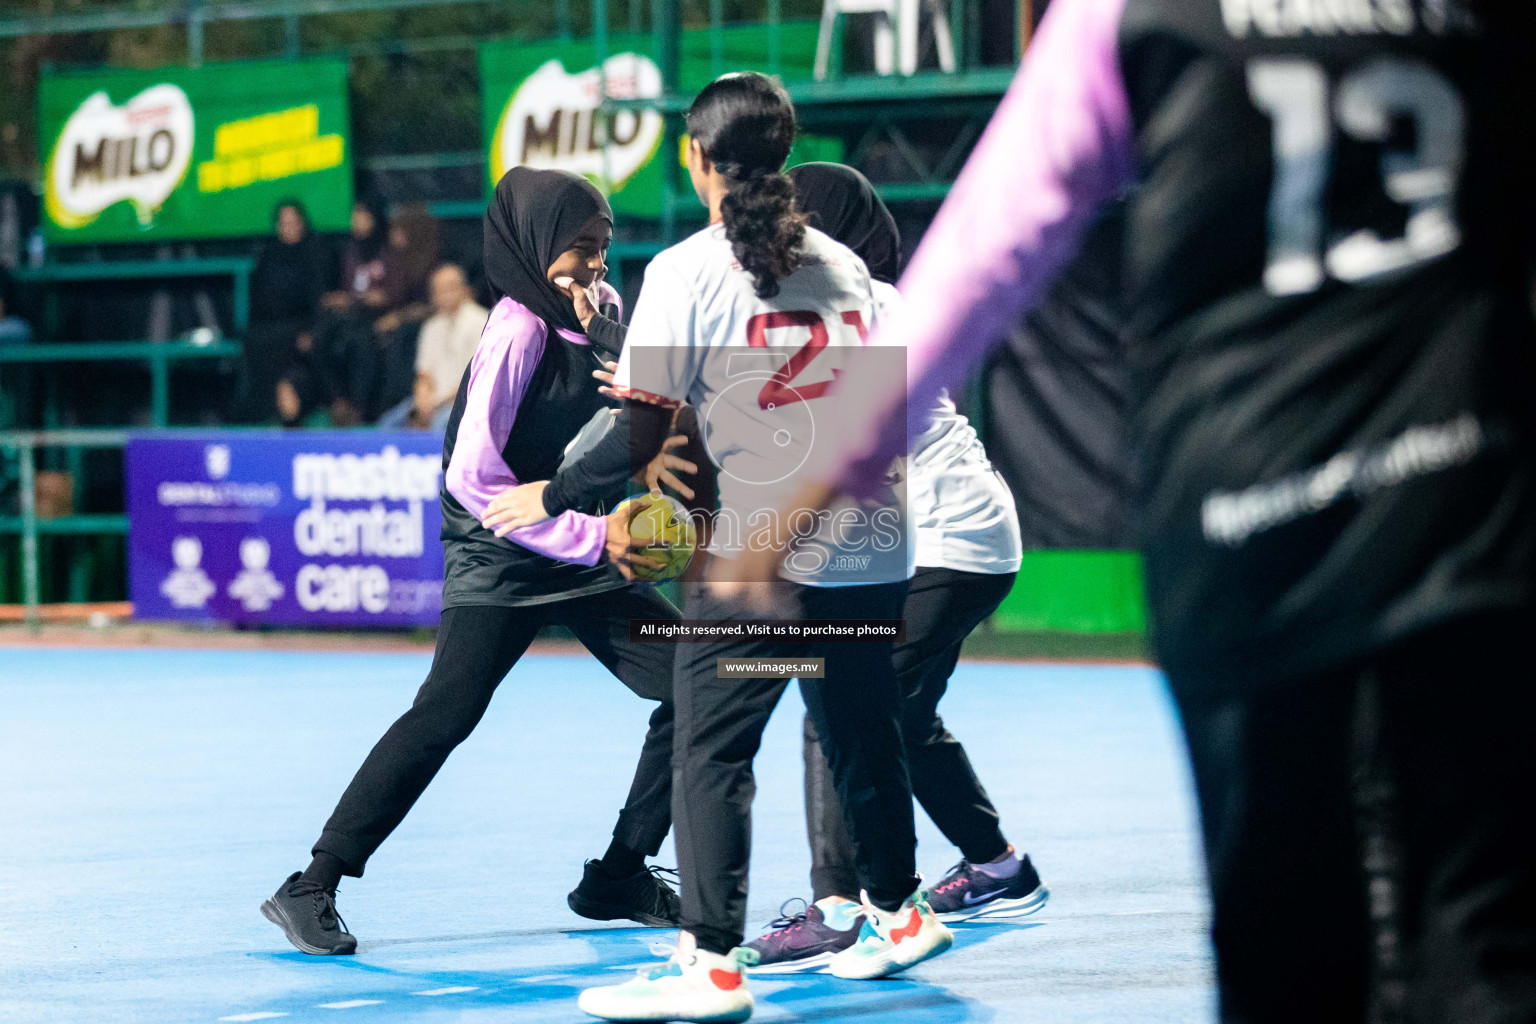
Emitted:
<point x="107" y="154"/>
<point x="553" y="121"/>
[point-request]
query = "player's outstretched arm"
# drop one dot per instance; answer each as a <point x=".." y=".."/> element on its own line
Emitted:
<point x="1059" y="146"/>
<point x="638" y="436"/>
<point x="664" y="467"/>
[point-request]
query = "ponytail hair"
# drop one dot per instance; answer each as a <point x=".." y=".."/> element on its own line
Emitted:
<point x="765" y="231"/>
<point x="745" y="124"/>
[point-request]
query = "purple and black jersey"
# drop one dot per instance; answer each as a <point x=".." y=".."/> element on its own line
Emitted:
<point x="527" y="392"/>
<point x="1327" y="260"/>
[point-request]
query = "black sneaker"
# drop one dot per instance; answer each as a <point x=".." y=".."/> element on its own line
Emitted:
<point x="307" y="915"/>
<point x="806" y="939"/>
<point x="966" y="893"/>
<point x="643" y="897"/>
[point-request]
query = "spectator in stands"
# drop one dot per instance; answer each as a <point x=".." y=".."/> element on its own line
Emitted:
<point x="292" y="274"/>
<point x="446" y="345"/>
<point x="13" y="329"/>
<point x="319" y="376"/>
<point x="362" y="263"/>
<point x="409" y="261"/>
<point x="369" y="352"/>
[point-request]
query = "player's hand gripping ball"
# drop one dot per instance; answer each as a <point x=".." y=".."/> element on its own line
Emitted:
<point x="661" y="531"/>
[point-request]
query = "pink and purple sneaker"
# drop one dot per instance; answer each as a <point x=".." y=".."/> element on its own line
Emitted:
<point x="970" y="891"/>
<point x="807" y="939"/>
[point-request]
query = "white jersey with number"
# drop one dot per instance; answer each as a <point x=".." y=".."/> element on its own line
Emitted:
<point x="961" y="510"/>
<point x="758" y="371"/>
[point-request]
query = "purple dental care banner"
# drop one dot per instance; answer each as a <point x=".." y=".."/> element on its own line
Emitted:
<point x="323" y="528"/>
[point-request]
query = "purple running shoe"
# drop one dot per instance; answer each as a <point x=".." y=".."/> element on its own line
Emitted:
<point x="967" y="893"/>
<point x="807" y="939"/>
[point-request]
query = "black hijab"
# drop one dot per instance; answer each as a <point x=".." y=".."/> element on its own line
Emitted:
<point x="290" y="278"/>
<point x="842" y="203"/>
<point x="532" y="219"/>
<point x="370" y="246"/>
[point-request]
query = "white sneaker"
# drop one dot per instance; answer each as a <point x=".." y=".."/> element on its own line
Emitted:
<point x="693" y="985"/>
<point x="891" y="942"/>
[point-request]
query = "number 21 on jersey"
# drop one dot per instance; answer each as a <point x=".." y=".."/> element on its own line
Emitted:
<point x="1295" y="93"/>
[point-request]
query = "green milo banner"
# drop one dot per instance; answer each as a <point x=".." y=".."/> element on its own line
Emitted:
<point x="540" y="104"/>
<point x="193" y="153"/>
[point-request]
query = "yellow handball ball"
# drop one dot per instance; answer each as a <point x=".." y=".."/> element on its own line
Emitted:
<point x="663" y="531"/>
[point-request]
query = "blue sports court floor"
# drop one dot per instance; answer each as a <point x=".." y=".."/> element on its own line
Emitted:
<point x="152" y="798"/>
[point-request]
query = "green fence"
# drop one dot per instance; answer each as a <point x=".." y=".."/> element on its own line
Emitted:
<point x="31" y="528"/>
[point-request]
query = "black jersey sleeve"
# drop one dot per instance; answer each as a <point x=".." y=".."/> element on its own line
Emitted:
<point x="606" y="335"/>
<point x="637" y="437"/>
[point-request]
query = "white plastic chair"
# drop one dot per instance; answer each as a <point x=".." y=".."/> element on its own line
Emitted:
<point x="899" y="21"/>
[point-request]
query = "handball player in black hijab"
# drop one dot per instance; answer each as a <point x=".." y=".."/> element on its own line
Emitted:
<point x="525" y="395"/>
<point x="841" y="202"/>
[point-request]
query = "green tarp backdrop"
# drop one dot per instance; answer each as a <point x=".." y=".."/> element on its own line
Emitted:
<point x="193" y="153"/>
<point x="539" y="103"/>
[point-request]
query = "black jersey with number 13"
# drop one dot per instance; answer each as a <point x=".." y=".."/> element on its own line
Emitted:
<point x="1328" y="259"/>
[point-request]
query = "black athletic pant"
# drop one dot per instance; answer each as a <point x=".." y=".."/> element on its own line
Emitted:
<point x="1371" y="835"/>
<point x="476" y="648"/>
<point x="720" y="724"/>
<point x="943" y="606"/>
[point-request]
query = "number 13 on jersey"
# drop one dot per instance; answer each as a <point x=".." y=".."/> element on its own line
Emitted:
<point x="1364" y="105"/>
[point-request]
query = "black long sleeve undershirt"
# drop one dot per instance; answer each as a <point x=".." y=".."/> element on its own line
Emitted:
<point x="606" y="334"/>
<point x="629" y="446"/>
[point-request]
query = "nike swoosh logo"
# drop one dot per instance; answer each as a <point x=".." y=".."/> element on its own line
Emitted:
<point x="989" y="896"/>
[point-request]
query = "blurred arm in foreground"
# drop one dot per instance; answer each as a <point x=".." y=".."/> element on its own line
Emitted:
<point x="1059" y="146"/>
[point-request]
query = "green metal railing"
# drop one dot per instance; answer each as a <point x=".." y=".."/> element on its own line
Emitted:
<point x="24" y="445"/>
<point x="159" y="356"/>
<point x="197" y="14"/>
<point x="238" y="268"/>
